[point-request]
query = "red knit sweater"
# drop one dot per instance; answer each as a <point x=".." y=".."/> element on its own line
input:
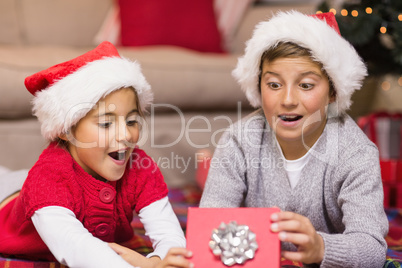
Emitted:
<point x="104" y="208"/>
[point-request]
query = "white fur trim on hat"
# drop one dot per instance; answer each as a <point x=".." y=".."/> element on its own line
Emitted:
<point x="64" y="103"/>
<point x="340" y="60"/>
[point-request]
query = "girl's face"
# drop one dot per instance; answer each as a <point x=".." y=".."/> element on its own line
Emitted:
<point x="102" y="141"/>
<point x="295" y="95"/>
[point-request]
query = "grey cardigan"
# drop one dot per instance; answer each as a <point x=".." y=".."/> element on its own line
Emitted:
<point x="340" y="188"/>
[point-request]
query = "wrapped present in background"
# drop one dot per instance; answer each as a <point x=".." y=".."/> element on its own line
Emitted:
<point x="385" y="130"/>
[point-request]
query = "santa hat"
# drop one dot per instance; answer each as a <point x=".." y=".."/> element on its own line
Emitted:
<point x="66" y="92"/>
<point x="320" y="34"/>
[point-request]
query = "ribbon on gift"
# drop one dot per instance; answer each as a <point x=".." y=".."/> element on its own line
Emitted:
<point x="233" y="243"/>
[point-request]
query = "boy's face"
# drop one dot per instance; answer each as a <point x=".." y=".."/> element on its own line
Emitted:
<point x="295" y="95"/>
<point x="102" y="141"/>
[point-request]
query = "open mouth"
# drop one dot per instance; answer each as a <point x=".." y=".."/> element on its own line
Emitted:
<point x="118" y="155"/>
<point x="290" y="118"/>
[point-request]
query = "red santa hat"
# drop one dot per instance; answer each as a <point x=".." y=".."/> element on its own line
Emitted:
<point x="66" y="92"/>
<point x="320" y="34"/>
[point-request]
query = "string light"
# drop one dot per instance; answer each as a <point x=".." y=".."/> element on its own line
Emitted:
<point x="318" y="12"/>
<point x="344" y="12"/>
<point x="386" y="85"/>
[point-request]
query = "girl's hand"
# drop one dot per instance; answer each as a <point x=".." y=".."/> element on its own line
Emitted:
<point x="297" y="229"/>
<point x="134" y="258"/>
<point x="176" y="257"/>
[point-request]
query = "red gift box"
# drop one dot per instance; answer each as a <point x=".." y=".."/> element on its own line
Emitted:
<point x="387" y="195"/>
<point x="398" y="201"/>
<point x="399" y="171"/>
<point x="389" y="171"/>
<point x="202" y="221"/>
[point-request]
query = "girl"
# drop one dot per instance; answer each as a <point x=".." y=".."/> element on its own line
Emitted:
<point x="82" y="191"/>
<point x="301" y="152"/>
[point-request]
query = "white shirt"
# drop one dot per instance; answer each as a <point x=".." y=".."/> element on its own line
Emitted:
<point x="73" y="245"/>
<point x="294" y="167"/>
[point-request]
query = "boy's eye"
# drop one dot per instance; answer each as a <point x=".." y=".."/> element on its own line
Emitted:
<point x="131" y="122"/>
<point x="306" y="86"/>
<point x="105" y="125"/>
<point x="274" y="85"/>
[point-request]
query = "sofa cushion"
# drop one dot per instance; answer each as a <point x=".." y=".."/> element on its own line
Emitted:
<point x="18" y="62"/>
<point x="189" y="80"/>
<point x="229" y="15"/>
<point x="21" y="143"/>
<point x="180" y="77"/>
<point x="10" y="32"/>
<point x="189" y="24"/>
<point x="73" y="22"/>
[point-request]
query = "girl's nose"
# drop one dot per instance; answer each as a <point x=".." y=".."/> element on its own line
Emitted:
<point x="122" y="131"/>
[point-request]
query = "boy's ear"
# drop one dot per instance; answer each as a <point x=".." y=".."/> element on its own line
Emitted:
<point x="63" y="137"/>
<point x="332" y="95"/>
<point x="332" y="98"/>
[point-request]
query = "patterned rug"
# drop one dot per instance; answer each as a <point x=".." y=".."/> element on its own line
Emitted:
<point x="184" y="198"/>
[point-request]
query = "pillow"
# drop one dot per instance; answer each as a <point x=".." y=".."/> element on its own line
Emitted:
<point x="110" y="28"/>
<point x="186" y="23"/>
<point x="229" y="14"/>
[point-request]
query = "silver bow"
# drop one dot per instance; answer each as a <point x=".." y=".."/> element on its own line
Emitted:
<point x="233" y="243"/>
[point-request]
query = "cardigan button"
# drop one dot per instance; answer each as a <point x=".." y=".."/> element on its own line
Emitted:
<point x="102" y="229"/>
<point x="106" y="195"/>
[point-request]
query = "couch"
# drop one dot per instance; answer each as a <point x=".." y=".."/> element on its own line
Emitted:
<point x="195" y="94"/>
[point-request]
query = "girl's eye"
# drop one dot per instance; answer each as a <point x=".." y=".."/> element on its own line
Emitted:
<point x="306" y="86"/>
<point x="105" y="125"/>
<point x="274" y="85"/>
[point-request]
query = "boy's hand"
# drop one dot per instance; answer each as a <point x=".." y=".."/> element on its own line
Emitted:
<point x="297" y="229"/>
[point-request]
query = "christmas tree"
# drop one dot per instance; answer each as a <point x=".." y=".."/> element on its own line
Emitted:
<point x="374" y="28"/>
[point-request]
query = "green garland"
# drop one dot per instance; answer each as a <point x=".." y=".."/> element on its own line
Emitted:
<point x="382" y="52"/>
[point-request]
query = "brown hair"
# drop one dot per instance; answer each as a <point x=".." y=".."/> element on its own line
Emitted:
<point x="291" y="50"/>
<point x="137" y="102"/>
